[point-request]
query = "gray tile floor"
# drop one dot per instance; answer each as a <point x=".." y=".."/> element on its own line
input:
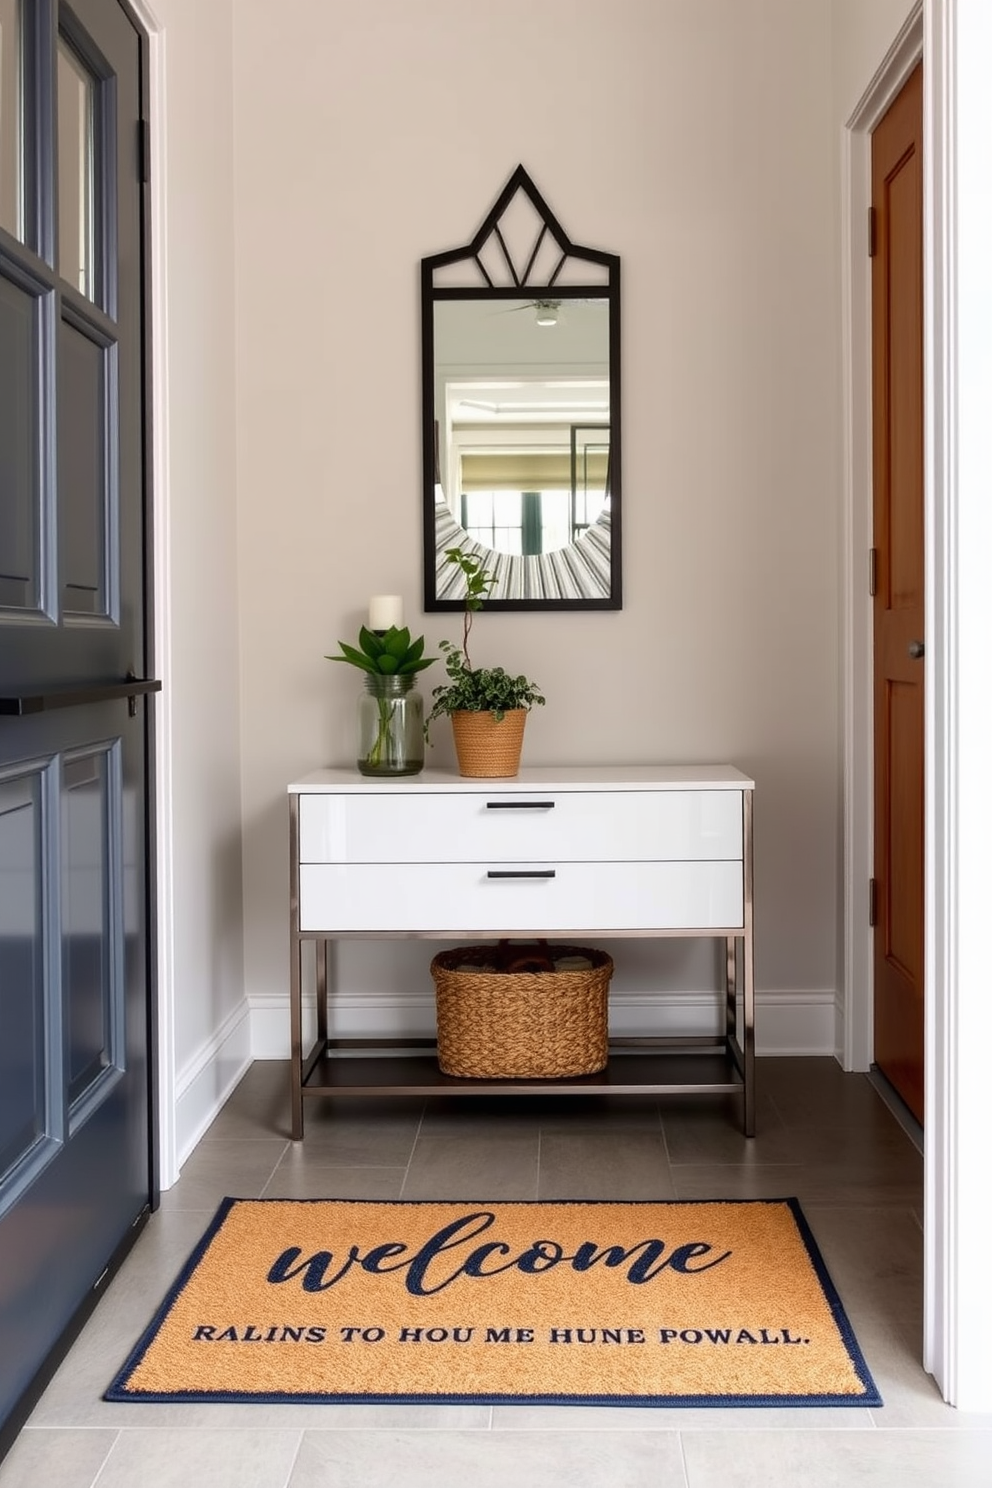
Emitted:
<point x="824" y="1136"/>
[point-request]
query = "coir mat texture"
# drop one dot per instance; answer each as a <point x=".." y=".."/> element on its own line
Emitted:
<point x="661" y="1303"/>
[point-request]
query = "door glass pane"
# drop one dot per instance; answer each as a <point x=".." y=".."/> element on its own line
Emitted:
<point x="20" y="484"/>
<point x="77" y="164"/>
<point x="22" y="1028"/>
<point x="11" y="119"/>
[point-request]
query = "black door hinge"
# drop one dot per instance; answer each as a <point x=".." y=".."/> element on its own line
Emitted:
<point x="873" y="901"/>
<point x="144" y="151"/>
<point x="872" y="232"/>
<point x="873" y="572"/>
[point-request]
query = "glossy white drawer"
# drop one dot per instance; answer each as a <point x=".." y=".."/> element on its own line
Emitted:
<point x="502" y="826"/>
<point x="572" y="896"/>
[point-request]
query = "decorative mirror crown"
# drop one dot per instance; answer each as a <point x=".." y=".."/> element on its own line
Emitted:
<point x="520" y="245"/>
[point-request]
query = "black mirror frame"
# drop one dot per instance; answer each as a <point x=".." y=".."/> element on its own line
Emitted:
<point x="521" y="284"/>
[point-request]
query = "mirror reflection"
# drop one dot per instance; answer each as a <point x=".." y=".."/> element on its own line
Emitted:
<point x="522" y="397"/>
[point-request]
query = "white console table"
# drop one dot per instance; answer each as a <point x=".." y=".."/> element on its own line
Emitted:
<point x="634" y="851"/>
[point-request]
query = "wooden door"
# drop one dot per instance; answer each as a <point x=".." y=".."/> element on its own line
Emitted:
<point x="897" y="474"/>
<point x="75" y="1013"/>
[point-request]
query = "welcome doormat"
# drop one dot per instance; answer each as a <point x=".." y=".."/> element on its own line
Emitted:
<point x="656" y="1303"/>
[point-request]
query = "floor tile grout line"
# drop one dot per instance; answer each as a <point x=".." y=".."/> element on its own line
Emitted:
<point x="685" y="1465"/>
<point x="780" y="1114"/>
<point x="413" y="1148"/>
<point x="345" y="1167"/>
<point x="275" y="1169"/>
<point x="664" y="1142"/>
<point x="296" y="1457"/>
<point x="107" y="1456"/>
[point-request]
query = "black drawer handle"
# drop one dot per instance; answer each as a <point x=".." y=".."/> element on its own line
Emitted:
<point x="521" y="873"/>
<point x="520" y="805"/>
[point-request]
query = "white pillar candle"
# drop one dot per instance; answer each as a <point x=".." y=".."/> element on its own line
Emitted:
<point x="385" y="610"/>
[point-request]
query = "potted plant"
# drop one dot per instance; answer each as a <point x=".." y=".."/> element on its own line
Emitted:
<point x="391" y="713"/>
<point x="487" y="706"/>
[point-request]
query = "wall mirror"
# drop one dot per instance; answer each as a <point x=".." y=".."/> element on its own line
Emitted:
<point x="521" y="412"/>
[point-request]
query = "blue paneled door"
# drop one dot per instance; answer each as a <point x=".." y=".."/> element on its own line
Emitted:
<point x="75" y="981"/>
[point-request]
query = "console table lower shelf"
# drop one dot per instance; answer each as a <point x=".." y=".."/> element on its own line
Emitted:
<point x="413" y="1070"/>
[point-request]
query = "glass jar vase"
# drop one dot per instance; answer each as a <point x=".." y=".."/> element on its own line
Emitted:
<point x="390" y="726"/>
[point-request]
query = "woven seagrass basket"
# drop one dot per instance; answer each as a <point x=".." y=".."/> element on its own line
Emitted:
<point x="521" y="1024"/>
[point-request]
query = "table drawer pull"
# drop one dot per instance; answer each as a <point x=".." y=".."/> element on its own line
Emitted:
<point x="520" y="873"/>
<point x="520" y="805"/>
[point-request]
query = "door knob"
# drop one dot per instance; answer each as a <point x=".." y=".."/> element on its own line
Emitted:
<point x="916" y="650"/>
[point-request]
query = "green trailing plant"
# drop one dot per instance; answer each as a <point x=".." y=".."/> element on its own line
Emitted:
<point x="390" y="653"/>
<point x="477" y="689"/>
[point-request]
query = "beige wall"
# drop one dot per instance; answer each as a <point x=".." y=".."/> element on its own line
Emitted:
<point x="198" y="550"/>
<point x="696" y="141"/>
<point x="863" y="31"/>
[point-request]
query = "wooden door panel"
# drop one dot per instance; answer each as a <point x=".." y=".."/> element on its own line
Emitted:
<point x="23" y="1064"/>
<point x="898" y="520"/>
<point x="91" y="912"/>
<point x="901" y="926"/>
<point x="903" y="491"/>
<point x="87" y="484"/>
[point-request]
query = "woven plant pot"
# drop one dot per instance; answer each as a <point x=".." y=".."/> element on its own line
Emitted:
<point x="520" y="1025"/>
<point x="486" y="748"/>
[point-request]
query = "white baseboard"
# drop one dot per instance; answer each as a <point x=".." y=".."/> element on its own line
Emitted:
<point x="207" y="1080"/>
<point x="785" y="1022"/>
<point x="801" y="1023"/>
<point x="848" y="1053"/>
